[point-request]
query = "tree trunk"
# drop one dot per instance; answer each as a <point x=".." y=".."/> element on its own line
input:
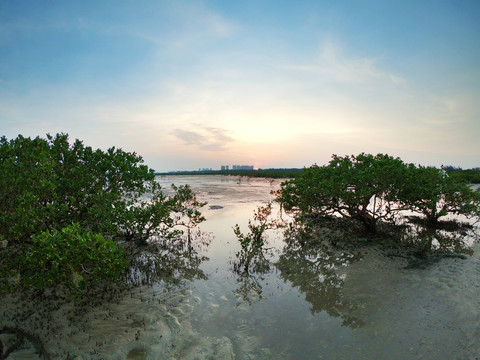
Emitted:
<point x="431" y="220"/>
<point x="368" y="221"/>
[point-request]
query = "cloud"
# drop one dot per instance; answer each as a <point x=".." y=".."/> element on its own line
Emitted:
<point x="174" y="24"/>
<point x="191" y="23"/>
<point x="189" y="137"/>
<point x="209" y="21"/>
<point x="204" y="138"/>
<point x="333" y="64"/>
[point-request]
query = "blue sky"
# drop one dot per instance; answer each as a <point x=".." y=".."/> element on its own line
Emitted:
<point x="191" y="84"/>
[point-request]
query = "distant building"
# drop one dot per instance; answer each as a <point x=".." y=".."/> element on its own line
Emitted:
<point x="225" y="167"/>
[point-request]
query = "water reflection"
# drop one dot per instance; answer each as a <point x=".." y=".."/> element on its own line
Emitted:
<point x="316" y="270"/>
<point x="312" y="265"/>
<point x="199" y="319"/>
<point x="249" y="288"/>
<point x="169" y="261"/>
<point x="448" y="237"/>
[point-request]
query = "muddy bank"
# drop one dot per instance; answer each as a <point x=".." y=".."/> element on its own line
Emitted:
<point x="142" y="323"/>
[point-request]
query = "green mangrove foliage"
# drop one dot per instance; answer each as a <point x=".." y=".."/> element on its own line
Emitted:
<point x="46" y="185"/>
<point x="362" y="187"/>
<point x="369" y="189"/>
<point x="71" y="256"/>
<point x="159" y="214"/>
<point x="435" y="193"/>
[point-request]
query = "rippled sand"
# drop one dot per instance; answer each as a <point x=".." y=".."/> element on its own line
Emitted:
<point x="416" y="314"/>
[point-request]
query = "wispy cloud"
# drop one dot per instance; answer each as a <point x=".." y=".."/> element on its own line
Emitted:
<point x="190" y="22"/>
<point x="204" y="138"/>
<point x="161" y="23"/>
<point x="454" y="110"/>
<point x="206" y="19"/>
<point x="189" y="137"/>
<point x="334" y="64"/>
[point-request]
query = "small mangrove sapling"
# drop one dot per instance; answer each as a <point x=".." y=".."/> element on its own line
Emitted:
<point x="252" y="244"/>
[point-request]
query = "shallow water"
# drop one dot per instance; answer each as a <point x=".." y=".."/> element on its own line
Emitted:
<point x="313" y="303"/>
<point x="359" y="305"/>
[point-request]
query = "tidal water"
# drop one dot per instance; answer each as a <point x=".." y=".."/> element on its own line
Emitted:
<point x="317" y="304"/>
<point x="311" y="302"/>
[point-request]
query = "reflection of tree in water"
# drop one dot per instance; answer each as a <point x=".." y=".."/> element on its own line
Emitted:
<point x="169" y="260"/>
<point x="448" y="239"/>
<point x="441" y="241"/>
<point x="249" y="288"/>
<point x="32" y="320"/>
<point x="314" y="269"/>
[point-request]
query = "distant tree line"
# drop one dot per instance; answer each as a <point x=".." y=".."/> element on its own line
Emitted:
<point x="275" y="173"/>
<point x="470" y="175"/>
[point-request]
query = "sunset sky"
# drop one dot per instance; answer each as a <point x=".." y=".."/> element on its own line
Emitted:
<point x="190" y="84"/>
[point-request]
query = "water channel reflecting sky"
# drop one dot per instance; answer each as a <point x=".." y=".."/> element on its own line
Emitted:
<point x="317" y="302"/>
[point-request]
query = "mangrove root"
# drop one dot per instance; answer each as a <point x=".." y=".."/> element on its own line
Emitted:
<point x="21" y="336"/>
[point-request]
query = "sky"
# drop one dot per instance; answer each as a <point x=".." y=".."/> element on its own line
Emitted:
<point x="200" y="84"/>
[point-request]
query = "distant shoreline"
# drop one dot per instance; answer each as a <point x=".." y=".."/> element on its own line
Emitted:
<point x="267" y="173"/>
<point x="470" y="175"/>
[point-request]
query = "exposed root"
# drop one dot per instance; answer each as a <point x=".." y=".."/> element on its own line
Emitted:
<point x="21" y="337"/>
